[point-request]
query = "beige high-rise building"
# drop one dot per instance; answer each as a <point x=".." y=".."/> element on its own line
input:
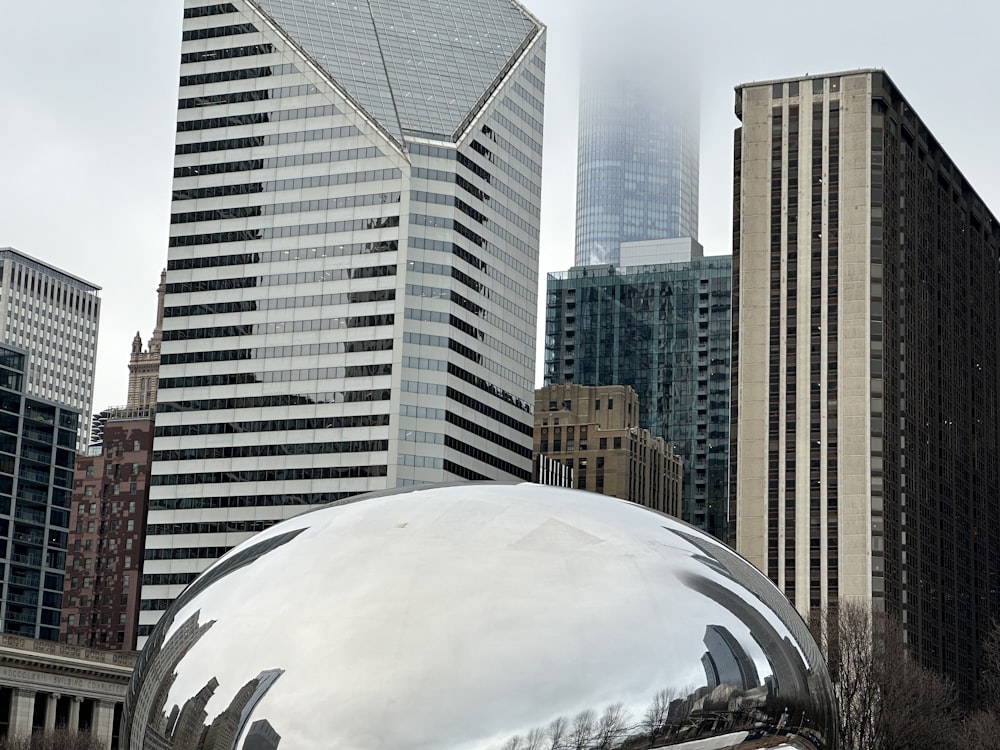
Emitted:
<point x="865" y="453"/>
<point x="594" y="430"/>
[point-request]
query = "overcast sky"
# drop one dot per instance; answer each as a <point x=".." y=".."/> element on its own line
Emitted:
<point x="88" y="95"/>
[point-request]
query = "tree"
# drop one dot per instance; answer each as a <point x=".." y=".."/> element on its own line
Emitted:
<point x="885" y="699"/>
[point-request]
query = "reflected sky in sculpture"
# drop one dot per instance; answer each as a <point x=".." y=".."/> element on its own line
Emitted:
<point x="473" y="617"/>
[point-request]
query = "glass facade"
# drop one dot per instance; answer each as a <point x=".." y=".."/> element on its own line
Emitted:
<point x="350" y="300"/>
<point x="37" y="452"/>
<point x="637" y="163"/>
<point x="665" y="331"/>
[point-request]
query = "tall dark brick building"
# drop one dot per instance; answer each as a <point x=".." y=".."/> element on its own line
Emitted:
<point x="866" y="365"/>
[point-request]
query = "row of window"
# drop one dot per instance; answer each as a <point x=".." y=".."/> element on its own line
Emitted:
<point x="274" y="425"/>
<point x="272" y="233"/>
<point x="277" y="376"/>
<point x="214" y="32"/>
<point x="295" y="183"/>
<point x="249" y="50"/>
<point x="291" y="207"/>
<point x="272" y="139"/>
<point x="267" y="451"/>
<point x="246" y="501"/>
<point x="239" y="74"/>
<point x="290" y="326"/>
<point x="209" y="10"/>
<point x="278" y="256"/>
<point x="239" y="97"/>
<point x="282" y="279"/>
<point x="278" y="162"/>
<point x="210" y="527"/>
<point x="277" y="399"/>
<point x="271" y="352"/>
<point x="257" y="118"/>
<point x="282" y="303"/>
<point x="271" y="475"/>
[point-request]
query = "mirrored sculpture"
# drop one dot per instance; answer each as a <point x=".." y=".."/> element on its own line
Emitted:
<point x="480" y="617"/>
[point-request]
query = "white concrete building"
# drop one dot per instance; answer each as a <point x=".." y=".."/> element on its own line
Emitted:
<point x="54" y="316"/>
<point x="352" y="276"/>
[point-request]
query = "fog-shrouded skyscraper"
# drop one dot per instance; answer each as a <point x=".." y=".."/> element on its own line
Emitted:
<point x="351" y="283"/>
<point x="637" y="153"/>
<point x="866" y="364"/>
<point x="52" y="315"/>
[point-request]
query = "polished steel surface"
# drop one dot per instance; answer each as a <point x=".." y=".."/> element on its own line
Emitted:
<point x="480" y="617"/>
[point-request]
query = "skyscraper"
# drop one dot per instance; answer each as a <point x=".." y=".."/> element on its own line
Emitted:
<point x="352" y="276"/>
<point x="866" y="367"/>
<point x="664" y="330"/>
<point x="37" y="448"/>
<point x="637" y="153"/>
<point x="53" y="316"/>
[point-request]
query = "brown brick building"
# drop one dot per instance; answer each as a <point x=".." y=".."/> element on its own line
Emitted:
<point x="107" y="529"/>
<point x="594" y="430"/>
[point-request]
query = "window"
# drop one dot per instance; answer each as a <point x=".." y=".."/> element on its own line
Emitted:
<point x="93" y="508"/>
<point x="130" y="526"/>
<point x="136" y="446"/>
<point x="618" y="443"/>
<point x="88" y="491"/>
<point x="611" y="404"/>
<point x="131" y="506"/>
<point x="90" y="470"/>
<point x="71" y="620"/>
<point x="132" y="487"/>
<point x="128" y="562"/>
<point x="603" y="444"/>
<point x="597" y="404"/>
<point x="135" y="468"/>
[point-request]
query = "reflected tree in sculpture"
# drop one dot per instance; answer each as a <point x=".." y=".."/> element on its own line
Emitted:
<point x="479" y="617"/>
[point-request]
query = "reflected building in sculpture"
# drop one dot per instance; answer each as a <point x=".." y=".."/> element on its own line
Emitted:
<point x="545" y="577"/>
<point x="350" y="298"/>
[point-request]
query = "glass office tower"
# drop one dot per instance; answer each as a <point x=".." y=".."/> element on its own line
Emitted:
<point x="351" y="284"/>
<point x="37" y="450"/>
<point x="637" y="155"/>
<point x="665" y="331"/>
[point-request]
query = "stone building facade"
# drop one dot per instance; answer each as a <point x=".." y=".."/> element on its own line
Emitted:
<point x="594" y="431"/>
<point x="45" y="685"/>
<point x="107" y="534"/>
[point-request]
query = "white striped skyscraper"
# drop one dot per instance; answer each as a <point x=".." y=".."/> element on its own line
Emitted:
<point x="352" y="276"/>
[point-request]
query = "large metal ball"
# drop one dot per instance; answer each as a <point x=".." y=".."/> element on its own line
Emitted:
<point x="480" y="617"/>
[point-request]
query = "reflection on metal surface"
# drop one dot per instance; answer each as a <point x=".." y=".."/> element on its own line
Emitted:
<point x="481" y="617"/>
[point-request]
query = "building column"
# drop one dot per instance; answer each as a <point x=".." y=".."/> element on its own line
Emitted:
<point x="50" y="711"/>
<point x="74" y="713"/>
<point x="104" y="715"/>
<point x="22" y="710"/>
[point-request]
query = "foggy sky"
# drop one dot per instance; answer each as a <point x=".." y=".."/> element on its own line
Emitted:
<point x="89" y="93"/>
